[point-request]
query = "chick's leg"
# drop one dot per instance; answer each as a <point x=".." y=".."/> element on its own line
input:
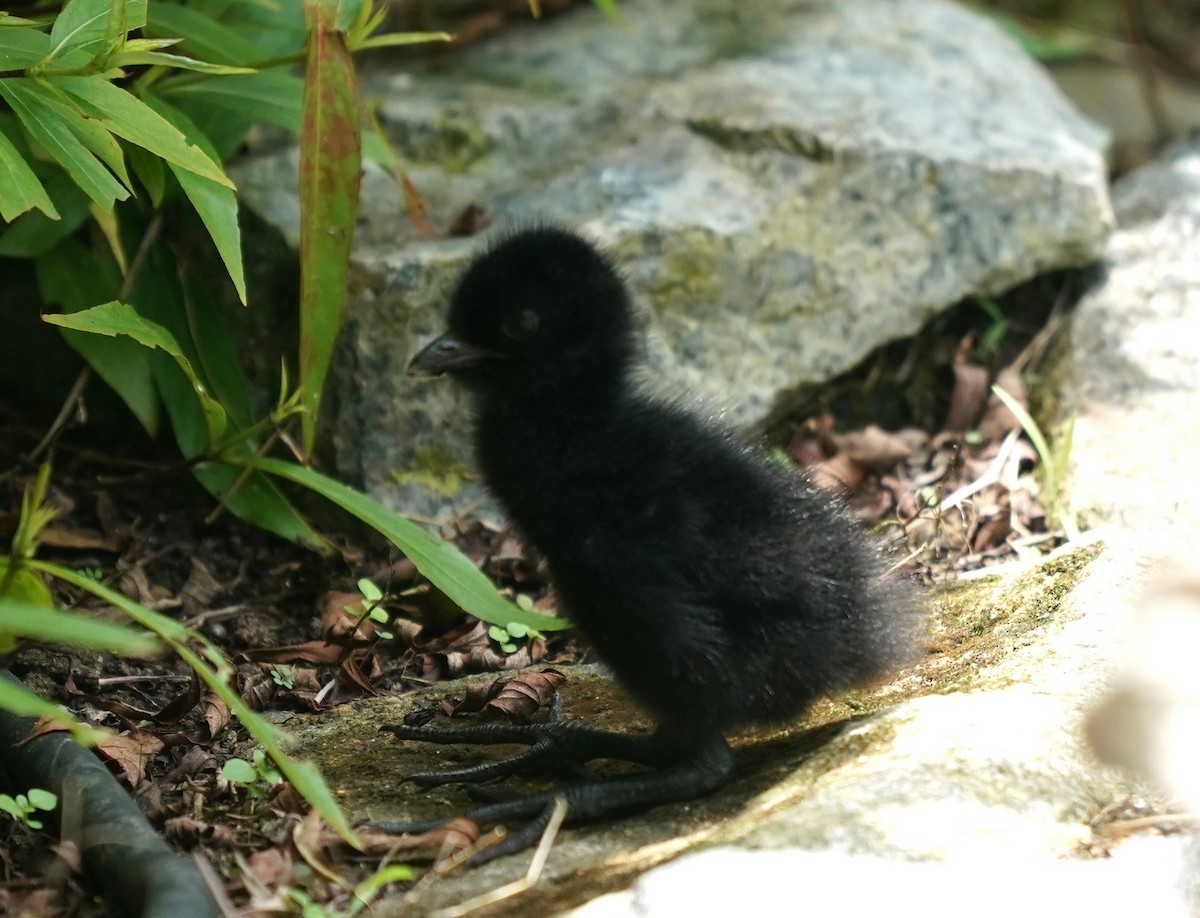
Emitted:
<point x="701" y="771"/>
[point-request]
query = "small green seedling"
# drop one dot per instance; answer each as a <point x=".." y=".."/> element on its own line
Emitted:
<point x="373" y="606"/>
<point x="995" y="332"/>
<point x="23" y="806"/>
<point x="283" y="676"/>
<point x="258" y="776"/>
<point x="507" y="636"/>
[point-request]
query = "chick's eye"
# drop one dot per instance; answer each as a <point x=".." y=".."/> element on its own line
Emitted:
<point x="520" y="324"/>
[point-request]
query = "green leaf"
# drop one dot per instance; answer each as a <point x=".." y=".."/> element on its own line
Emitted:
<point x="330" y="171"/>
<point x="117" y="318"/>
<point x="20" y="189"/>
<point x="150" y="172"/>
<point x="33" y="233"/>
<point x="257" y="500"/>
<point x="8" y="20"/>
<point x="73" y="629"/>
<point x="180" y="62"/>
<point x="203" y="37"/>
<point x="269" y="95"/>
<point x="21" y="48"/>
<point x="443" y="564"/>
<point x="215" y="346"/>
<point x="399" y="39"/>
<point x="127" y="116"/>
<point x="216" y="204"/>
<point x="46" y="119"/>
<point x="42" y="799"/>
<point x="82" y="25"/>
<point x="238" y="771"/>
<point x="608" y="8"/>
<point x="135" y="15"/>
<point x="16" y="699"/>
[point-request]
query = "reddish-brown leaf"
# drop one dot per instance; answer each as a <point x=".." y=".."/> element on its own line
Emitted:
<point x="130" y="752"/>
<point x="874" y="447"/>
<point x="520" y="698"/>
<point x="969" y="395"/>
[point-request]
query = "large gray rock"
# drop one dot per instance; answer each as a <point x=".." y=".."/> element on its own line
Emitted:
<point x="1129" y="371"/>
<point x="786" y="185"/>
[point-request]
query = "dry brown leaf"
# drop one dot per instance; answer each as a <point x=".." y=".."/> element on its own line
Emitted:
<point x="306" y="836"/>
<point x="310" y="652"/>
<point x="453" y="836"/>
<point x="967" y="398"/>
<point x="874" y="447"/>
<point x="272" y="867"/>
<point x="478" y="694"/>
<point x="838" y="474"/>
<point x="131" y="752"/>
<point x="186" y="829"/>
<point x="998" y="420"/>
<point x="216" y="714"/>
<point x="469" y="221"/>
<point x="341" y="613"/>
<point x="202" y="585"/>
<point x="181" y="705"/>
<point x="63" y="536"/>
<point x="360" y="669"/>
<point x="520" y="698"/>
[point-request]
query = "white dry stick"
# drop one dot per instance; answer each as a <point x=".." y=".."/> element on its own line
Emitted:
<point x="532" y="875"/>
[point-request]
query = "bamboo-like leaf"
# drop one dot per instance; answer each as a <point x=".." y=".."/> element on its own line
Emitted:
<point x="399" y="39"/>
<point x="82" y="25"/>
<point x="8" y="20"/>
<point x="127" y="116"/>
<point x="129" y="58"/>
<point x="20" y="189"/>
<point x="330" y="169"/>
<point x="18" y="700"/>
<point x="21" y="48"/>
<point x="46" y="122"/>
<point x="443" y="564"/>
<point x="216" y="204"/>
<point x="256" y="499"/>
<point x="203" y="36"/>
<point x="268" y="95"/>
<point x="34" y="233"/>
<point x="73" y="629"/>
<point x="150" y="172"/>
<point x="117" y="318"/>
<point x="110" y="226"/>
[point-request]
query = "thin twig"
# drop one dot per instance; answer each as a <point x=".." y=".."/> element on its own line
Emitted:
<point x="532" y="875"/>
<point x="149" y="677"/>
<point x="990" y="476"/>
<point x="903" y="561"/>
<point x="68" y="408"/>
<point x="445" y="865"/>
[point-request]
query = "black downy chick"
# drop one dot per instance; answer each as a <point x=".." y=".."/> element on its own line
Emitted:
<point x="722" y="589"/>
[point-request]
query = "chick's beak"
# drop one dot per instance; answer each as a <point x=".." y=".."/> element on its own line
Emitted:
<point x="441" y="355"/>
